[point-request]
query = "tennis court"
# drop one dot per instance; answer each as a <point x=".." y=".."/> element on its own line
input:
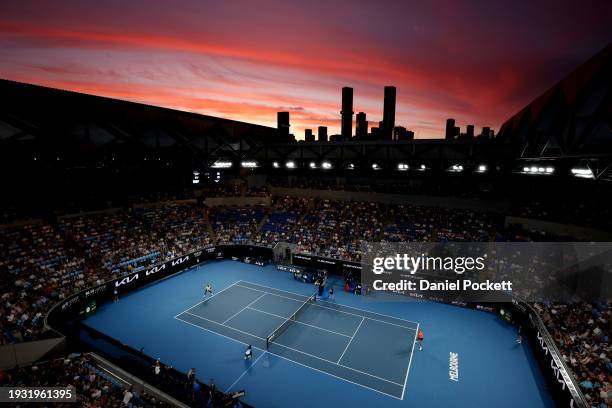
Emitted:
<point x="365" y="348"/>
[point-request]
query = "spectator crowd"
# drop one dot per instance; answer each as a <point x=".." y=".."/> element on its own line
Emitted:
<point x="92" y="386"/>
<point x="582" y="334"/>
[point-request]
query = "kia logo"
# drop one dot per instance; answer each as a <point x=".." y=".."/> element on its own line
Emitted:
<point x="126" y="280"/>
<point x="155" y="269"/>
<point x="180" y="260"/>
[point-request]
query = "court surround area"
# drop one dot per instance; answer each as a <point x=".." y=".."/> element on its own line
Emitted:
<point x="351" y="351"/>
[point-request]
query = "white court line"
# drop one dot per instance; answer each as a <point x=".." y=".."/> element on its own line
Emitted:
<point x="297" y="321"/>
<point x="207" y="299"/>
<point x="301" y="301"/>
<point x="243" y="309"/>
<point x="326" y="307"/>
<point x="340" y="365"/>
<point x="245" y="371"/>
<point x="333" y="303"/>
<point x="229" y="327"/>
<point x="299" y="351"/>
<point x="410" y="361"/>
<point x="288" y="359"/>
<point x="352" y="337"/>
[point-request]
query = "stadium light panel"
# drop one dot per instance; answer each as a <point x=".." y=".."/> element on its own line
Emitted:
<point x="220" y="164"/>
<point x="402" y="166"/>
<point x="196" y="177"/>
<point x="456" y="168"/>
<point x="290" y="165"/>
<point x="275" y="165"/>
<point x="482" y="168"/>
<point x="538" y="170"/>
<point x="375" y="166"/>
<point x="583" y="172"/>
<point x="313" y="165"/>
<point x="350" y="166"/>
<point x="249" y="164"/>
<point x="326" y="165"/>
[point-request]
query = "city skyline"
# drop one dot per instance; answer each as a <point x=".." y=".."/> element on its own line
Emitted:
<point x="476" y="63"/>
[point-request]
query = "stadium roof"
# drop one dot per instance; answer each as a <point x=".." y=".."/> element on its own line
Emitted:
<point x="45" y="120"/>
<point x="573" y="119"/>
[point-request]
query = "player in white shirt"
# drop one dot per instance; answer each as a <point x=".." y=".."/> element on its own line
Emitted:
<point x="208" y="290"/>
<point x="248" y="353"/>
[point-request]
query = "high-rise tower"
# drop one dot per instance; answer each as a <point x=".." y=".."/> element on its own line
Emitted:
<point x="346" y="126"/>
<point x="361" y="127"/>
<point x="282" y="123"/>
<point x="389" y="112"/>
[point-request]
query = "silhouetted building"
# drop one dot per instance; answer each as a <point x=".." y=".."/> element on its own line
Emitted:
<point x="486" y="132"/>
<point x="469" y="132"/>
<point x="450" y="129"/>
<point x="322" y="135"/>
<point x="382" y="135"/>
<point x="374" y="133"/>
<point x="388" y="122"/>
<point x="282" y="123"/>
<point x="346" y="126"/>
<point x="361" y="130"/>
<point x="335" y="138"/>
<point x="399" y="133"/>
<point x="308" y="136"/>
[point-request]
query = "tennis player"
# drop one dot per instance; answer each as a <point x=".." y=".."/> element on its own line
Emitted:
<point x="208" y="290"/>
<point x="420" y="338"/>
<point x="248" y="353"/>
<point x="519" y="337"/>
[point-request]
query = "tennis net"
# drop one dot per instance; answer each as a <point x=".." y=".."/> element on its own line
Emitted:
<point x="287" y="322"/>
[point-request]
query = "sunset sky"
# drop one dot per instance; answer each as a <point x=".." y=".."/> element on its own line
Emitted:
<point x="476" y="61"/>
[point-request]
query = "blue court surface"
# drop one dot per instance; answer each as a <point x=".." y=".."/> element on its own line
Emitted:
<point x="356" y="350"/>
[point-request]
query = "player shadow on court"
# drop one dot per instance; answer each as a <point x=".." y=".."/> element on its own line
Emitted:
<point x="403" y="352"/>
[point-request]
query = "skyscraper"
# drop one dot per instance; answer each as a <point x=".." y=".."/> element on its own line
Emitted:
<point x="282" y="123"/>
<point x="469" y="131"/>
<point x="361" y="129"/>
<point x="308" y="136"/>
<point x="322" y="134"/>
<point x="450" y="129"/>
<point x="486" y="132"/>
<point x="346" y="126"/>
<point x="389" y="112"/>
